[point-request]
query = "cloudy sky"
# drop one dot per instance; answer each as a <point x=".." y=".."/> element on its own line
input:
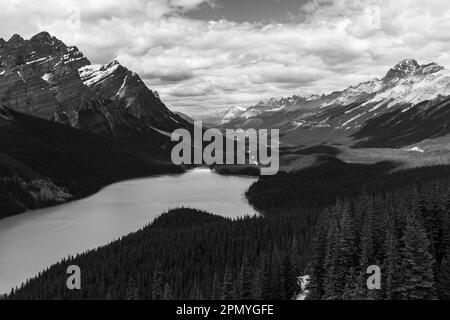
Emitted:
<point x="207" y="55"/>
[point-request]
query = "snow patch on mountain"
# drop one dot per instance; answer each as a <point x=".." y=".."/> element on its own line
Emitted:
<point x="233" y="113"/>
<point x="404" y="86"/>
<point x="92" y="74"/>
<point x="416" y="149"/>
<point x="416" y="88"/>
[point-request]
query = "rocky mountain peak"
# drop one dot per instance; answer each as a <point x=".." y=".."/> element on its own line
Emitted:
<point x="401" y="70"/>
<point x="407" y="65"/>
<point x="16" y="39"/>
<point x="44" y="35"/>
<point x="45" y="78"/>
<point x="407" y="85"/>
<point x="410" y="67"/>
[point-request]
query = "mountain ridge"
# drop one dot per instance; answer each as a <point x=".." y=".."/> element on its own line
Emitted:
<point x="44" y="77"/>
<point x="407" y="88"/>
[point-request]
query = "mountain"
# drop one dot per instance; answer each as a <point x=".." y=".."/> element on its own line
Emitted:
<point x="409" y="104"/>
<point x="223" y="117"/>
<point x="45" y="78"/>
<point x="185" y="117"/>
<point x="233" y="113"/>
<point x="44" y="163"/>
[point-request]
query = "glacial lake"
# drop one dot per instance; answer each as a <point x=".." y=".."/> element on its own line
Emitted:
<point x="33" y="241"/>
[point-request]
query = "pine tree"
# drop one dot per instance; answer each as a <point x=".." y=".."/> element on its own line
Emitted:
<point x="246" y="290"/>
<point x="196" y="292"/>
<point x="417" y="262"/>
<point x="157" y="283"/>
<point x="391" y="272"/>
<point x="216" y="289"/>
<point x="227" y="286"/>
<point x="132" y="292"/>
<point x="266" y="280"/>
<point x="290" y="278"/>
<point x="367" y="245"/>
<point x="443" y="282"/>
<point x="315" y="286"/>
<point x="257" y="285"/>
<point x="353" y="288"/>
<point x="277" y="284"/>
<point x="295" y="256"/>
<point x="167" y="295"/>
<point x="342" y="255"/>
<point x="330" y="282"/>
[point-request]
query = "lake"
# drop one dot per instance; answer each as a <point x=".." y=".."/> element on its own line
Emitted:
<point x="33" y="241"/>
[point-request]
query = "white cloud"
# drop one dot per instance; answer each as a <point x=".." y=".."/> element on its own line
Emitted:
<point x="197" y="65"/>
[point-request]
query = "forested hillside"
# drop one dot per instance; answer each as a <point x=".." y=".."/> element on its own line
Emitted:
<point x="357" y="214"/>
<point x="43" y="162"/>
<point x="404" y="231"/>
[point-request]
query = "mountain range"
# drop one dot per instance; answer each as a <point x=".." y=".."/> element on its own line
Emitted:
<point x="45" y="78"/>
<point x="409" y="104"/>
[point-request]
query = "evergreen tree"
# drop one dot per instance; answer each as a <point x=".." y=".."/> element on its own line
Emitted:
<point x="277" y="280"/>
<point x="367" y="245"/>
<point x="391" y="272"/>
<point x="167" y="295"/>
<point x="246" y="290"/>
<point x="290" y="278"/>
<point x="331" y="280"/>
<point x="228" y="284"/>
<point x="266" y="280"/>
<point x="353" y="287"/>
<point x="216" y="289"/>
<point x="295" y="256"/>
<point x="196" y="292"/>
<point x="417" y="261"/>
<point x="316" y="270"/>
<point x="443" y="284"/>
<point x="257" y="285"/>
<point x="343" y="254"/>
<point x="157" y="283"/>
<point x="132" y="292"/>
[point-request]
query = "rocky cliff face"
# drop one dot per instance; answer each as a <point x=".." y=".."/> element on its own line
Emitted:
<point x="45" y="78"/>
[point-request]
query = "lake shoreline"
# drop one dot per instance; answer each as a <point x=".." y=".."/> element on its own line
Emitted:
<point x="123" y="208"/>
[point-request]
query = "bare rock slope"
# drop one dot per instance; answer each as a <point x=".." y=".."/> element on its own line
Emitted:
<point x="45" y="78"/>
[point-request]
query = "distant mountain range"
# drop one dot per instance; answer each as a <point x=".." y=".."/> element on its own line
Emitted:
<point x="45" y="78"/>
<point x="409" y="104"/>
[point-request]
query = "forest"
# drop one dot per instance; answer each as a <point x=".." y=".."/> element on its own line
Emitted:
<point x="330" y="222"/>
<point x="78" y="161"/>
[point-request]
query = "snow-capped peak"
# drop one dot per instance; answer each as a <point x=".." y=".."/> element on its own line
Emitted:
<point x="426" y="82"/>
<point x="407" y="65"/>
<point x="233" y="113"/>
<point x="407" y="68"/>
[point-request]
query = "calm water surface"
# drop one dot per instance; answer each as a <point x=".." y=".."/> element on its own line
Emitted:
<point x="33" y="241"/>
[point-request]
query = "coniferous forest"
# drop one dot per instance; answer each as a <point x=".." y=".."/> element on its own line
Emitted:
<point x="330" y="222"/>
<point x="79" y="162"/>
